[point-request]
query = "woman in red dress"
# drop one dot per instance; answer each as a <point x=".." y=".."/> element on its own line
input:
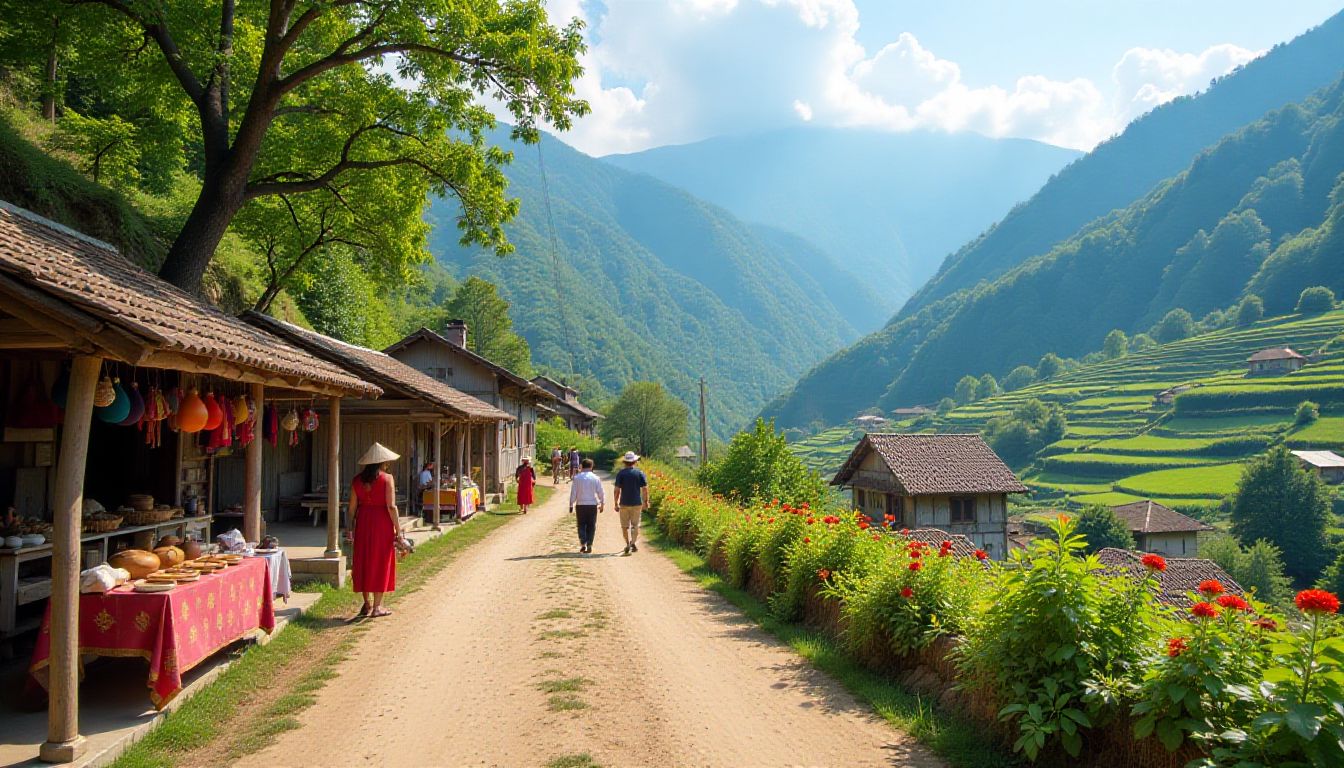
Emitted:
<point x="376" y="530"/>
<point x="527" y="479"/>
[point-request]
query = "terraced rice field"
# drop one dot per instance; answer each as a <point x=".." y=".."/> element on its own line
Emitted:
<point x="1122" y="445"/>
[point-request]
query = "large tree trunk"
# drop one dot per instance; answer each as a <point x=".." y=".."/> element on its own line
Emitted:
<point x="49" y="77"/>
<point x="220" y="200"/>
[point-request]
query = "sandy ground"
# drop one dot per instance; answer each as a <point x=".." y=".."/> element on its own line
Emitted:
<point x="523" y="652"/>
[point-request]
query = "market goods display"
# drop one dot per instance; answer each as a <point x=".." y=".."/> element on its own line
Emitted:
<point x="136" y="407"/>
<point x="18" y="525"/>
<point x="192" y="415"/>
<point x="101" y="522"/>
<point x="115" y="411"/>
<point x="137" y="562"/>
<point x="191" y="549"/>
<point x="141" y="502"/>
<point x="214" y="415"/>
<point x="169" y="556"/>
<point x="170" y="541"/>
<point x="153" y="586"/>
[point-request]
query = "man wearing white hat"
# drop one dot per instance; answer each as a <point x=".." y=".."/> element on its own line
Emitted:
<point x="632" y="498"/>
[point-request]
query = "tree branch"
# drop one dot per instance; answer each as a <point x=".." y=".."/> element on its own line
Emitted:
<point x="159" y="32"/>
<point x="341" y="58"/>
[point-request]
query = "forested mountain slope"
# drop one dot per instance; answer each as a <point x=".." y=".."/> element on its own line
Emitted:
<point x="649" y="282"/>
<point x="1153" y="147"/>
<point x="888" y="205"/>
<point x="1258" y="212"/>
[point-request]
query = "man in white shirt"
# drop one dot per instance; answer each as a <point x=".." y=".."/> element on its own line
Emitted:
<point x="586" y="499"/>
<point x="426" y="482"/>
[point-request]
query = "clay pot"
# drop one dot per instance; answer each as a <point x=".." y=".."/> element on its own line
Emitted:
<point x="170" y="556"/>
<point x="136" y="562"/>
<point x="170" y="541"/>
<point x="191" y="549"/>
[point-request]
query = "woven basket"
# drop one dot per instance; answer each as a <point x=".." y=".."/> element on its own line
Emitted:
<point x="102" y="526"/>
<point x="141" y="502"/>
<point x="149" y="516"/>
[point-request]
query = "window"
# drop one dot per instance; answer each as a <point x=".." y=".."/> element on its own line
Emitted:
<point x="858" y="498"/>
<point x="963" y="509"/>
<point x="439" y="373"/>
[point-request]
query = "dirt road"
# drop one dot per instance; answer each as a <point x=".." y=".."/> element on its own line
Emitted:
<point x="525" y="653"/>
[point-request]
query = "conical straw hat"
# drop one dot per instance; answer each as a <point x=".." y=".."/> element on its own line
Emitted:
<point x="377" y="454"/>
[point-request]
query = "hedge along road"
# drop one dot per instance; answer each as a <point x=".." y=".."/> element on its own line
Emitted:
<point x="525" y="653"/>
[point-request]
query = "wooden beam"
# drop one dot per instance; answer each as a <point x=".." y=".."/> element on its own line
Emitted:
<point x="461" y="438"/>
<point x="333" y="478"/>
<point x="62" y="318"/>
<point x="252" y="475"/>
<point x="437" y="516"/>
<point x="64" y="744"/>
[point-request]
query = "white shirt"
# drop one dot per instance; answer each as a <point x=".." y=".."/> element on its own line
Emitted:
<point x="587" y="489"/>
<point x="426" y="478"/>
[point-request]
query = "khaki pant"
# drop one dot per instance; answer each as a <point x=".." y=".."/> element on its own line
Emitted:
<point x="630" y="517"/>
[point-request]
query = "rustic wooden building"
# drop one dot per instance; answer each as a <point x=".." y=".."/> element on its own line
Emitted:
<point x="1160" y="529"/>
<point x="447" y="359"/>
<point x="1326" y="464"/>
<point x="575" y="414"/>
<point x="955" y="483"/>
<point x="1275" y="361"/>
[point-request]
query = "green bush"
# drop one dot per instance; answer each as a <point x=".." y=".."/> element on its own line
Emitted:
<point x="1315" y="300"/>
<point x="1307" y="413"/>
<point x="759" y="466"/>
<point x="1100" y="527"/>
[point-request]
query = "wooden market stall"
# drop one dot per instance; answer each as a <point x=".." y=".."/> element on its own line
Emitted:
<point x="74" y="315"/>
<point x="413" y="417"/>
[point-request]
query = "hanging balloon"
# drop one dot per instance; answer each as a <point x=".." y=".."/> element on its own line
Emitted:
<point x="104" y="393"/>
<point x="214" y="414"/>
<point x="61" y="389"/>
<point x="174" y="397"/>
<point x="119" y="407"/>
<point x="137" y="406"/>
<point x="191" y="417"/>
<point x="239" y="410"/>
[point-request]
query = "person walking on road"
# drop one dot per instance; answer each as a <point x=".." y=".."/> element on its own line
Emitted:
<point x="557" y="464"/>
<point x="632" y="498"/>
<point x="377" y="530"/>
<point x="586" y="500"/>
<point x="574" y="458"/>
<point x="527" y="480"/>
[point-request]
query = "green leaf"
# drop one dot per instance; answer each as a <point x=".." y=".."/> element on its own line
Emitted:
<point x="1176" y="691"/>
<point x="1170" y="735"/>
<point x="1304" y="720"/>
<point x="1143" y="727"/>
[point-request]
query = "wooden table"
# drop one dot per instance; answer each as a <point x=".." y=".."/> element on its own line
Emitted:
<point x="15" y="592"/>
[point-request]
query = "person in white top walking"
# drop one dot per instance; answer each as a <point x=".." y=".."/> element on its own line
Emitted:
<point x="586" y="499"/>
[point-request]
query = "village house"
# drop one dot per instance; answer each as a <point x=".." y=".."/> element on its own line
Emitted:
<point x="1174" y="585"/>
<point x="868" y="421"/>
<point x="447" y="359"/>
<point x="577" y="416"/>
<point x="1328" y="465"/>
<point x="912" y="412"/>
<point x="1168" y="396"/>
<point x="1274" y="361"/>
<point x="1160" y="529"/>
<point x="955" y="483"/>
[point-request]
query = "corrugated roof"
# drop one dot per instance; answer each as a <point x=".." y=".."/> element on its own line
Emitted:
<point x="387" y="371"/>
<point x="1322" y="459"/>
<point x="936" y="464"/>
<point x="1182" y="576"/>
<point x="425" y="334"/>
<point x="1276" y="353"/>
<point x="1148" y="516"/>
<point x="78" y="273"/>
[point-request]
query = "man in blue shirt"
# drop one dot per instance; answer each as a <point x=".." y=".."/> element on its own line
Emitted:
<point x="632" y="498"/>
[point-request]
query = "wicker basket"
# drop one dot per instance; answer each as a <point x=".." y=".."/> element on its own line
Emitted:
<point x="141" y="502"/>
<point x="102" y="526"/>
<point x="148" y="516"/>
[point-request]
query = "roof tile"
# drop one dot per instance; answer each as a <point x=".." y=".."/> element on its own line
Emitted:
<point x="936" y="464"/>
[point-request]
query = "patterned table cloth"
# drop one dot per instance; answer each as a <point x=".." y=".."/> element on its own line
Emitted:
<point x="174" y="631"/>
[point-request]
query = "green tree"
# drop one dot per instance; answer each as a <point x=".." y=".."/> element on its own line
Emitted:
<point x="1174" y="326"/>
<point x="1280" y="502"/>
<point x="1116" y="345"/>
<point x="1315" y="300"/>
<point x="289" y="99"/>
<point x="1307" y="412"/>
<point x="945" y="405"/>
<point x="1258" y="568"/>
<point x="760" y="466"/>
<point x="988" y="387"/>
<point x="645" y="419"/>
<point x="1049" y="366"/>
<point x="1250" y="311"/>
<point x="1018" y="437"/>
<point x="1102" y="528"/>
<point x="1332" y="579"/>
<point x="490" y="334"/>
<point x="967" y="390"/>
<point x="1019" y="377"/>
<point x="1141" y="342"/>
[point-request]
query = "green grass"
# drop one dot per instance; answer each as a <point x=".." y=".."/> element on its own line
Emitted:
<point x="581" y="760"/>
<point x="1326" y="432"/>
<point x="559" y="703"/>
<point x="958" y="741"/>
<point x="556" y="613"/>
<point x="563" y="685"/>
<point x="1213" y="481"/>
<point x="212" y="714"/>
<point x="510" y="503"/>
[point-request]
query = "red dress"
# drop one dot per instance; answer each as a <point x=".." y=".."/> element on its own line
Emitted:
<point x="375" y="561"/>
<point x="527" y="477"/>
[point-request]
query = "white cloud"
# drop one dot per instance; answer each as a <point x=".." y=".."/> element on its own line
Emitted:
<point x="682" y="70"/>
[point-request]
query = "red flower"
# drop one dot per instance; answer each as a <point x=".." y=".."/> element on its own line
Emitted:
<point x="811" y="520"/>
<point x="944" y="552"/>
<point x="877" y="537"/>
<point x="1233" y="603"/>
<point x="1267" y="624"/>
<point x="1210" y="588"/>
<point x="915" y="554"/>
<point x="1154" y="562"/>
<point x="771" y="520"/>
<point x="863" y="526"/>
<point x="981" y="554"/>
<point x="1176" y="646"/>
<point x="1316" y="601"/>
<point x="823" y="574"/>
<point x="807" y="539"/>
<point x="889" y="518"/>
<point x="916" y="565"/>
<point x="905" y="531"/>
<point x="1204" y="611"/>
<point x="907" y="592"/>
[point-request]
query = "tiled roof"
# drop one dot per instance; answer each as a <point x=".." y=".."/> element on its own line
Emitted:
<point x="1182" y="576"/>
<point x="1320" y="458"/>
<point x="1148" y="516"/>
<point x="88" y="277"/>
<point x="1276" y="353"/>
<point x="390" y="373"/>
<point x="425" y="334"/>
<point x="925" y="464"/>
<point x="934" y="537"/>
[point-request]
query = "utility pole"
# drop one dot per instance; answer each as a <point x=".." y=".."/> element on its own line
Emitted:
<point x="704" y="441"/>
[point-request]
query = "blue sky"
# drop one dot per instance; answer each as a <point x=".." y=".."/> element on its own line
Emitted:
<point x="1069" y="72"/>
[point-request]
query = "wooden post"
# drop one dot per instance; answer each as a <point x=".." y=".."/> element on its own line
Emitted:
<point x="467" y="427"/>
<point x="485" y="461"/>
<point x="333" y="478"/>
<point x="461" y="440"/>
<point x="64" y="744"/>
<point x="252" y="477"/>
<point x="437" y="517"/>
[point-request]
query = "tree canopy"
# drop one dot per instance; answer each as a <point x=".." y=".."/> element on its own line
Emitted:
<point x="1280" y="502"/>
<point x="1103" y="529"/>
<point x="645" y="419"/>
<point x="760" y="466"/>
<point x="490" y="333"/>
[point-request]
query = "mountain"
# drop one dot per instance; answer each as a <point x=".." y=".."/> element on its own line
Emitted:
<point x="889" y="205"/>
<point x="649" y="282"/>
<point x="1005" y="295"/>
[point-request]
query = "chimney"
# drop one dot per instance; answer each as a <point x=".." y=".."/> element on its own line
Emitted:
<point x="456" y="332"/>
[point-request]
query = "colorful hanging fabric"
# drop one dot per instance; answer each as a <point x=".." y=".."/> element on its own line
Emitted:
<point x="270" y="428"/>
<point x="246" y="432"/>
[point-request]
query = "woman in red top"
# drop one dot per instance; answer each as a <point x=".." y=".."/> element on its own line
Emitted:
<point x="376" y="530"/>
<point x="527" y="479"/>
